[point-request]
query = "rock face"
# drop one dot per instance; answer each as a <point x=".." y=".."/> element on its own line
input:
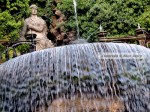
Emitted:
<point x="85" y="105"/>
<point x="78" y="77"/>
<point x="57" y="27"/>
<point x="82" y="104"/>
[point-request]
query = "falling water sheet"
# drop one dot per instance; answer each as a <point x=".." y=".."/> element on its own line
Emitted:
<point x="83" y="72"/>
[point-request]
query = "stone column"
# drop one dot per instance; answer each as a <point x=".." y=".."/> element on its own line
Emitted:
<point x="102" y="34"/>
<point x="31" y="38"/>
<point x="140" y="33"/>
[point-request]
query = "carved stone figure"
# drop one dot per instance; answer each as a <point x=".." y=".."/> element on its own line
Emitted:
<point x="70" y="37"/>
<point x="36" y="25"/>
<point x="57" y="27"/>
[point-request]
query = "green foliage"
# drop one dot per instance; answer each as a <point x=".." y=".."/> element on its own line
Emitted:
<point x="118" y="17"/>
<point x="9" y="26"/>
<point x="2" y="48"/>
<point x="11" y="18"/>
<point x="11" y="15"/>
<point x="23" y="48"/>
<point x="144" y="19"/>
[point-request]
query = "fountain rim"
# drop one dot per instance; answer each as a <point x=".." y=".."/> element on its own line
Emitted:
<point x="70" y="45"/>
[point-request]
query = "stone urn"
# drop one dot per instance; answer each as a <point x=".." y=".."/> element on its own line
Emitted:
<point x="102" y="34"/>
<point x="140" y="33"/>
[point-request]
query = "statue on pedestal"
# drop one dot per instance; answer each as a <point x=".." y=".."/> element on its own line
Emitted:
<point x="36" y="25"/>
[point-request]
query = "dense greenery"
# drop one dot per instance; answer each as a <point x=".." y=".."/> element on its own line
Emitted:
<point x="118" y="17"/>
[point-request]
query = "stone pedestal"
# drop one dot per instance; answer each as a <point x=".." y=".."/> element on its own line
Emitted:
<point x="31" y="38"/>
<point x="140" y="33"/>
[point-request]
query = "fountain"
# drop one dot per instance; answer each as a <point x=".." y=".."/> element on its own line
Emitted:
<point x="76" y="78"/>
<point x="78" y="40"/>
<point x="76" y="18"/>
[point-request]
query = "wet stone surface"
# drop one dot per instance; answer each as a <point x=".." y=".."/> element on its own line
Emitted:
<point x="35" y="80"/>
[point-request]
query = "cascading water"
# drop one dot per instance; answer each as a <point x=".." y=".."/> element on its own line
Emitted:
<point x="77" y="78"/>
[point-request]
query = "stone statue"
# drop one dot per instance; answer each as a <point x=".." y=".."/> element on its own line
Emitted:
<point x="36" y="25"/>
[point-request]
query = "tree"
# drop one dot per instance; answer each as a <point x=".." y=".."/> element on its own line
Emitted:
<point x="144" y="18"/>
<point x="11" y="19"/>
<point x="116" y="16"/>
<point x="9" y="26"/>
<point x="11" y="15"/>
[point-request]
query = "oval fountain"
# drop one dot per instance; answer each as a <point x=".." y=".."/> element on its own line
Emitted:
<point x="77" y="78"/>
